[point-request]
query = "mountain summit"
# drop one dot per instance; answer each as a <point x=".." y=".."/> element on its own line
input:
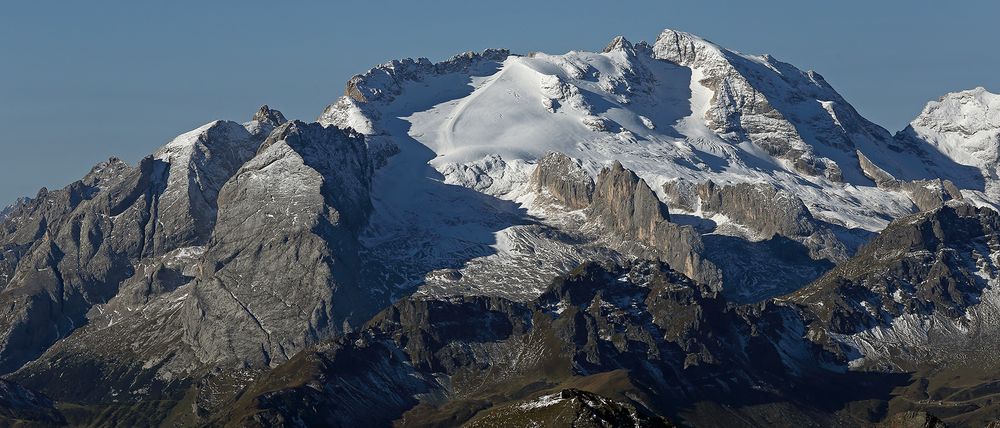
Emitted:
<point x="653" y="233"/>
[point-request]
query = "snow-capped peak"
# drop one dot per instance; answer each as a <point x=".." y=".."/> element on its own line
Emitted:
<point x="963" y="125"/>
<point x="684" y="48"/>
<point x="619" y="43"/>
<point x="682" y="108"/>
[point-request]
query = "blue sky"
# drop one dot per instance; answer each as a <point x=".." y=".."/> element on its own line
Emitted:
<point x="82" y="81"/>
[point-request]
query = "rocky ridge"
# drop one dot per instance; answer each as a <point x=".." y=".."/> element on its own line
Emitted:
<point x="617" y="227"/>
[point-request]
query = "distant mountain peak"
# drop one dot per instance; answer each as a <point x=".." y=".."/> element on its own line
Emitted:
<point x="596" y="235"/>
<point x="967" y="111"/>
<point x="964" y="125"/>
<point x="619" y="43"/>
<point x="683" y="48"/>
<point x="268" y="115"/>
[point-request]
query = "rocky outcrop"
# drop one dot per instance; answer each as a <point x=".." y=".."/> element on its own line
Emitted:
<point x="199" y="163"/>
<point x="562" y="178"/>
<point x="619" y="43"/>
<point x="624" y="205"/>
<point x="491" y="175"/>
<point x="926" y="194"/>
<point x="640" y="334"/>
<point x="918" y="292"/>
<point x="746" y="103"/>
<point x="280" y="272"/>
<point x="384" y="82"/>
<point x="264" y="121"/>
<point x="32" y="218"/>
<point x="20" y="202"/>
<point x="74" y="247"/>
<point x="764" y="240"/>
<point x="762" y="209"/>
<point x="85" y="250"/>
<point x="272" y="117"/>
<point x="222" y="281"/>
<point x="930" y="194"/>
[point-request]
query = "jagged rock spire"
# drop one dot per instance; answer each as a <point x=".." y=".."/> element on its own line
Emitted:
<point x="618" y="43"/>
<point x="267" y="115"/>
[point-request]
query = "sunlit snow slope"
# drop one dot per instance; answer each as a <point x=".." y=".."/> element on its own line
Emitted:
<point x="680" y="110"/>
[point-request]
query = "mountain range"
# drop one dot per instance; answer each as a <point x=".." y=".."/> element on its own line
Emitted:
<point x="656" y="234"/>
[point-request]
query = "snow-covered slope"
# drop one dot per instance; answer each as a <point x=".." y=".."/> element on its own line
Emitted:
<point x="689" y="179"/>
<point x="963" y="125"/>
<point x="962" y="132"/>
<point x="679" y="109"/>
<point x="679" y="112"/>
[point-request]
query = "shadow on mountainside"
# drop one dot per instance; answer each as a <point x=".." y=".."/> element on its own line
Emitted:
<point x="420" y="223"/>
<point x="835" y="399"/>
<point x="756" y="271"/>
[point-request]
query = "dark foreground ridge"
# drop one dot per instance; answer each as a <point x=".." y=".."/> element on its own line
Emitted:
<point x="655" y="235"/>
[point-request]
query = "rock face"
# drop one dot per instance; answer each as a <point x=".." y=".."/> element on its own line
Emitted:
<point x="641" y="334"/>
<point x="198" y="164"/>
<point x="744" y="105"/>
<point x="270" y="117"/>
<point x="4" y="213"/>
<point x="764" y="240"/>
<point x="264" y="121"/>
<point x="625" y="205"/>
<point x="279" y="271"/>
<point x="925" y="194"/>
<point x="764" y="210"/>
<point x="385" y="81"/>
<point x="924" y="290"/>
<point x="565" y="180"/>
<point x="87" y="238"/>
<point x="443" y="247"/>
<point x="29" y="220"/>
<point x="663" y="339"/>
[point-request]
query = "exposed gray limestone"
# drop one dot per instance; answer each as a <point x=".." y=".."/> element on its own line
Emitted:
<point x="925" y="194"/>
<point x="232" y="277"/>
<point x="266" y="115"/>
<point x="748" y="104"/>
<point x="625" y="203"/>
<point x="564" y="180"/>
<point x="618" y="43"/>
<point x="76" y="246"/>
<point x="382" y="83"/>
<point x="4" y="213"/>
<point x="764" y="210"/>
<point x="264" y="121"/>
<point x="281" y="270"/>
<point x="198" y="163"/>
<point x="633" y="215"/>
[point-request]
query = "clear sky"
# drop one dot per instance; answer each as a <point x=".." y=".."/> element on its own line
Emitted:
<point x="81" y="81"/>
